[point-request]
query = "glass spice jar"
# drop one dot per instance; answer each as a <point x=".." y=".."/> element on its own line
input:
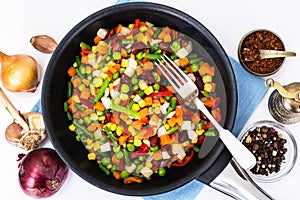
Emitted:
<point x="249" y="55"/>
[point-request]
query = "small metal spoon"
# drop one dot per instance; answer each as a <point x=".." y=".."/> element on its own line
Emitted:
<point x="264" y="54"/>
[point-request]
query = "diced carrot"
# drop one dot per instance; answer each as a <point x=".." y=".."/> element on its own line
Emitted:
<point x="92" y="127"/>
<point x="118" y="28"/>
<point x="72" y="108"/>
<point x="116" y="161"/>
<point x="139" y="36"/>
<point x="133" y="179"/>
<point x="142" y="133"/>
<point x="157" y="155"/>
<point x="124" y="117"/>
<point x="102" y="49"/>
<point x="145" y="120"/>
<point x="76" y="82"/>
<point x="112" y="69"/>
<point x="206" y="69"/>
<point x="123" y="139"/>
<point x="116" y="117"/>
<point x="76" y="115"/>
<point x="184" y="62"/>
<point x="148" y="65"/>
<point x="137" y="124"/>
<point x="85" y="93"/>
<point x="189" y="69"/>
<point x="171" y="89"/>
<point x="84" y="59"/>
<point x="72" y="71"/>
<point x="216" y="114"/>
<point x="97" y="39"/>
<point x="86" y="112"/>
<point x="143" y="113"/>
<point x="165" y="31"/>
<point x="208" y="103"/>
<point x="139" y="70"/>
<point x="124" y="53"/>
<point x="117" y="174"/>
<point x="86" y="82"/>
<point x="196" y="119"/>
<point x="165" y="139"/>
<point x="99" y="106"/>
<point x="172" y="121"/>
<point x="149" y="32"/>
<point x="167" y="38"/>
<point x="148" y="101"/>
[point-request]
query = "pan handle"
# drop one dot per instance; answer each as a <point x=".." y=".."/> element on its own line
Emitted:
<point x="235" y="182"/>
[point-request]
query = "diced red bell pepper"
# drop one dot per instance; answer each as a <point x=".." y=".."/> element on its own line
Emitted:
<point x="161" y="94"/>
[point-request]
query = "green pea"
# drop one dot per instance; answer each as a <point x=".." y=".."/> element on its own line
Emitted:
<point x="105" y="161"/>
<point x="130" y="147"/>
<point x="102" y="139"/>
<point x="194" y="67"/>
<point x="124" y="174"/>
<point x="175" y="45"/>
<point x="125" y="88"/>
<point x="119" y="155"/>
<point x="155" y="148"/>
<point x="156" y="87"/>
<point x="136" y="162"/>
<point x="78" y="138"/>
<point x="161" y="171"/>
<point x="117" y="55"/>
<point x="142" y="158"/>
<point x="116" y="75"/>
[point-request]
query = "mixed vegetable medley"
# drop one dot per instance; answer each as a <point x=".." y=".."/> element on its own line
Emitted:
<point x="125" y="112"/>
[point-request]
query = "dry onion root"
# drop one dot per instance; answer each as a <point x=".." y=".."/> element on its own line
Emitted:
<point x="19" y="73"/>
<point x="27" y="131"/>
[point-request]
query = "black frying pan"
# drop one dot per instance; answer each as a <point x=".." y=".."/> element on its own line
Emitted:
<point x="55" y="88"/>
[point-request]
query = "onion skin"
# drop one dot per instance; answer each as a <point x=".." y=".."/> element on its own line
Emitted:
<point x="19" y="73"/>
<point x="42" y="173"/>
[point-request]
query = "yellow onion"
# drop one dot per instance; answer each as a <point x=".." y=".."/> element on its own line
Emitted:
<point x="19" y="73"/>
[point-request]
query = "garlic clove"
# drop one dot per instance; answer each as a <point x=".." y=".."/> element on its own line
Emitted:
<point x="35" y="121"/>
<point x="43" y="43"/>
<point x="13" y="134"/>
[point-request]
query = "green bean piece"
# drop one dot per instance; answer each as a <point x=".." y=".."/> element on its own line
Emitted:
<point x="155" y="148"/>
<point x="192" y="56"/>
<point x="127" y="41"/>
<point x="104" y="169"/>
<point x="69" y="89"/>
<point x="102" y="89"/>
<point x="111" y="136"/>
<point x="195" y="60"/>
<point x="152" y="56"/>
<point x="210" y="133"/>
<point x="69" y="115"/>
<point x="196" y="149"/>
<point x="78" y="61"/>
<point x="79" y="107"/>
<point x="126" y="157"/>
<point x="139" y="55"/>
<point x="83" y="44"/>
<point x="173" y="129"/>
<point x="83" y="128"/>
<point x="66" y="105"/>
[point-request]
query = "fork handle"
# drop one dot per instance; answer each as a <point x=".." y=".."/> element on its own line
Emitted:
<point x="240" y="153"/>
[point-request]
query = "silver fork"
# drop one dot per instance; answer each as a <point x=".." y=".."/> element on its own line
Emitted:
<point x="185" y="87"/>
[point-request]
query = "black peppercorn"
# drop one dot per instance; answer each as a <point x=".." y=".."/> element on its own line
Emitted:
<point x="267" y="145"/>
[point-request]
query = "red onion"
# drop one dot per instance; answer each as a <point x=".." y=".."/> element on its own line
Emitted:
<point x="42" y="173"/>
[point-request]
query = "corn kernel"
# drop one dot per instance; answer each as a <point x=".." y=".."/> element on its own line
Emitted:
<point x="108" y="125"/>
<point x="148" y="90"/>
<point x="116" y="149"/>
<point x="119" y="131"/>
<point x="89" y="141"/>
<point x="131" y="26"/>
<point x="92" y="156"/>
<point x="145" y="39"/>
<point x="135" y="107"/>
<point x="97" y="82"/>
<point x="109" y="166"/>
<point x="137" y="141"/>
<point x="93" y="116"/>
<point x="157" y="110"/>
<point x="143" y="28"/>
<point x="142" y="84"/>
<point x="207" y="87"/>
<point x="113" y="127"/>
<point x="149" y="164"/>
<point x="124" y="97"/>
<point x="200" y="132"/>
<point x="129" y="121"/>
<point x="117" y="101"/>
<point x="89" y="146"/>
<point x="167" y="126"/>
<point x="124" y="63"/>
<point x="142" y="103"/>
<point x="111" y="64"/>
<point x="207" y="79"/>
<point x="194" y="141"/>
<point x="131" y="129"/>
<point x="72" y="127"/>
<point x="97" y="146"/>
<point x="186" y="143"/>
<point x="94" y="48"/>
<point x="101" y="118"/>
<point x="110" y="86"/>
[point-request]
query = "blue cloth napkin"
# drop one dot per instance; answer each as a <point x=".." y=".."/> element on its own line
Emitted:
<point x="250" y="89"/>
